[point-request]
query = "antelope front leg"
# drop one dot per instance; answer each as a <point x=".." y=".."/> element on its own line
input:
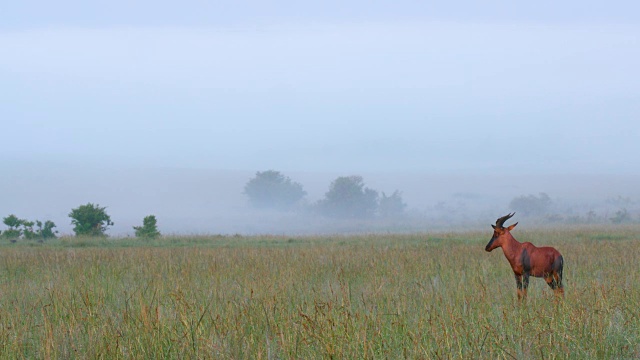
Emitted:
<point x="522" y="281"/>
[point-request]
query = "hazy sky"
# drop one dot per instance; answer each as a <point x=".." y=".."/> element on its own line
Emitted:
<point x="544" y="86"/>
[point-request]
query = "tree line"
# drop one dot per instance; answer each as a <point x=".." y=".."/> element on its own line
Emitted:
<point x="347" y="197"/>
<point x="87" y="220"/>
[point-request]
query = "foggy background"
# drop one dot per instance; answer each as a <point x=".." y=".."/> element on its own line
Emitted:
<point x="166" y="109"/>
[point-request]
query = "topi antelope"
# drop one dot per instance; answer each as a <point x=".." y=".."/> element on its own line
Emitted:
<point x="526" y="259"/>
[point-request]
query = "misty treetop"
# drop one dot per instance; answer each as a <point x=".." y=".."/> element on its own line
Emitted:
<point x="531" y="204"/>
<point x="392" y="205"/>
<point x="621" y="216"/>
<point x="348" y="197"/>
<point x="271" y="189"/>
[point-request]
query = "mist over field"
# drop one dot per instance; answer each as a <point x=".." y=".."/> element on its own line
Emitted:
<point x="170" y="109"/>
<point x="192" y="201"/>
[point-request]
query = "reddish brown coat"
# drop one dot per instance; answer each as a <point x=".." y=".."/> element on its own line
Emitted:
<point x="526" y="259"/>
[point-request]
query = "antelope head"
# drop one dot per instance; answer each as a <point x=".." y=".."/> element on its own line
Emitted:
<point x="500" y="233"/>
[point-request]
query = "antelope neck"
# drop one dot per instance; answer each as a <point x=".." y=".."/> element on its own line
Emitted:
<point x="510" y="247"/>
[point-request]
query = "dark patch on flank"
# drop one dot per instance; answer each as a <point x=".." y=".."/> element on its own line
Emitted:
<point x="526" y="260"/>
<point x="558" y="264"/>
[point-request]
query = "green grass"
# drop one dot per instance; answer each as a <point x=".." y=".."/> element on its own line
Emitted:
<point x="272" y="297"/>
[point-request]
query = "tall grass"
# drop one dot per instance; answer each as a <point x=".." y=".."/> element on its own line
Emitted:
<point x="369" y="296"/>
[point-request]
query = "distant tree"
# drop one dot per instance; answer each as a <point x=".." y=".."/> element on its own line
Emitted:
<point x="391" y="206"/>
<point x="271" y="189"/>
<point x="90" y="220"/>
<point x="621" y="216"/>
<point x="149" y="228"/>
<point x="531" y="204"/>
<point x="13" y="232"/>
<point x="45" y="231"/>
<point x="348" y="197"/>
<point x="620" y="201"/>
<point x="27" y="230"/>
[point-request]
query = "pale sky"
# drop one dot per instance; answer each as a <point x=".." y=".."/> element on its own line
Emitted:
<point x="402" y="86"/>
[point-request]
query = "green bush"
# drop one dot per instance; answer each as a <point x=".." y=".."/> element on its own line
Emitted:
<point x="22" y="228"/>
<point x="149" y="228"/>
<point x="90" y="220"/>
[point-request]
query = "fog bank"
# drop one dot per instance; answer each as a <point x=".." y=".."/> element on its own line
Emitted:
<point x="199" y="201"/>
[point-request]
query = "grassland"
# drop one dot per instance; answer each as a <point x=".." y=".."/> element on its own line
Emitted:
<point x="431" y="296"/>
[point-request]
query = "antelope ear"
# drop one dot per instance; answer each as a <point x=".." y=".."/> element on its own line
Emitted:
<point x="493" y="226"/>
<point x="512" y="226"/>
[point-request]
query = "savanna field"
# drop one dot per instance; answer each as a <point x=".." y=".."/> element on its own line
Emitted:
<point x="415" y="296"/>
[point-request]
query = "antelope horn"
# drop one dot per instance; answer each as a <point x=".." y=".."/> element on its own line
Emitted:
<point x="501" y="220"/>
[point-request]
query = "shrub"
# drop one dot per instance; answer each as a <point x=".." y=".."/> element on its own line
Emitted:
<point x="13" y="232"/>
<point x="149" y="228"/>
<point x="21" y="228"/>
<point x="90" y="220"/>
